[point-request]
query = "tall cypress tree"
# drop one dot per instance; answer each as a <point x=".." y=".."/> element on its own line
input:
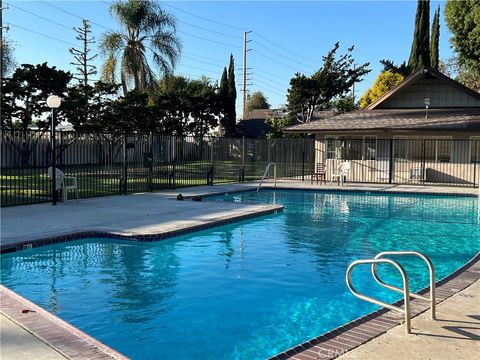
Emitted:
<point x="223" y="93"/>
<point x="434" y="41"/>
<point x="232" y="95"/>
<point x="420" y="52"/>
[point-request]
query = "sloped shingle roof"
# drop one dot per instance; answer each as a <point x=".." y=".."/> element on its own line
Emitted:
<point x="400" y="119"/>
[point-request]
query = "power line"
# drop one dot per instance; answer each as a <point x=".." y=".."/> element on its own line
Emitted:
<point x="203" y="18"/>
<point x="270" y="91"/>
<point x="283" y="56"/>
<point x="285" y="49"/>
<point x="41" y="17"/>
<point x="44" y="35"/>
<point x="275" y="60"/>
<point x="267" y="79"/>
<point x="201" y="69"/>
<point x="204" y="57"/>
<point x="72" y="14"/>
<point x="268" y="84"/>
<point x="213" y="41"/>
<point x="202" y="61"/>
<point x="212" y="31"/>
<point x="270" y="74"/>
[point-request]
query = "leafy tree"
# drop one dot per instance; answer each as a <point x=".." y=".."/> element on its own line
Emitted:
<point x="82" y="57"/>
<point x="435" y="40"/>
<point x="130" y="113"/>
<point x="223" y="94"/>
<point x="187" y="107"/>
<point x="8" y="58"/>
<point x="402" y="69"/>
<point x="332" y="80"/>
<point x="147" y="30"/>
<point x="462" y="73"/>
<point x="277" y="123"/>
<point x="384" y="82"/>
<point x="27" y="90"/>
<point x="463" y="20"/>
<point x="232" y="97"/>
<point x="420" y="51"/>
<point x="87" y="107"/>
<point x="257" y="101"/>
<point x="342" y="104"/>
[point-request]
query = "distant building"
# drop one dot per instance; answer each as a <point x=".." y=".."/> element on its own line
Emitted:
<point x="255" y="124"/>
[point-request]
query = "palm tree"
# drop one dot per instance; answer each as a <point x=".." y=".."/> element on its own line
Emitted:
<point x="147" y="32"/>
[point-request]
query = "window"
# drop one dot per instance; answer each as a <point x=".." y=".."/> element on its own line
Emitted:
<point x="401" y="148"/>
<point x="475" y="149"/>
<point x="369" y="147"/>
<point x="429" y="149"/>
<point x="361" y="148"/>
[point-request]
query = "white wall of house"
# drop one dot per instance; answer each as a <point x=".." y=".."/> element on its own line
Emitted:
<point x="434" y="157"/>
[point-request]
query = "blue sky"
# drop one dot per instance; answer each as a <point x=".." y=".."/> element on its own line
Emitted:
<point x="287" y="37"/>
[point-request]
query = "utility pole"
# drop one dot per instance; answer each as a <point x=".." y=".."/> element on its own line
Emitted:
<point x="1" y="53"/>
<point x="244" y="89"/>
<point x="353" y="88"/>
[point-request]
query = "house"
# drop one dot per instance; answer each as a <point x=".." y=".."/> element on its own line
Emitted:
<point x="425" y="130"/>
<point x="255" y="124"/>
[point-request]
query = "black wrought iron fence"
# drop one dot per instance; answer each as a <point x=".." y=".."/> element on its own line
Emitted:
<point x="112" y="164"/>
<point x="430" y="161"/>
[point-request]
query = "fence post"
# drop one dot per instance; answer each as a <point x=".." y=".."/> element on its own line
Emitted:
<point x="150" y="163"/>
<point x="212" y="152"/>
<point x="125" y="165"/>
<point x="174" y="155"/>
<point x="476" y="160"/>
<point x="390" y="172"/>
<point x="242" y="171"/>
<point x="424" y="171"/>
<point x="303" y="159"/>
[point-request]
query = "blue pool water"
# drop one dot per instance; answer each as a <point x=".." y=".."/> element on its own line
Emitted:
<point x="247" y="290"/>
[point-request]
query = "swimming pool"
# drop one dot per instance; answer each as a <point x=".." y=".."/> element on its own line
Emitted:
<point x="247" y="290"/>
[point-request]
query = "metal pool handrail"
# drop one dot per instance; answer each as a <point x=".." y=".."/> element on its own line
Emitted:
<point x="406" y="292"/>
<point x="431" y="270"/>
<point x="267" y="171"/>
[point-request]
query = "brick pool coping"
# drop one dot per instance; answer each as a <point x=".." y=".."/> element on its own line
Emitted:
<point x="63" y="337"/>
<point x="341" y="340"/>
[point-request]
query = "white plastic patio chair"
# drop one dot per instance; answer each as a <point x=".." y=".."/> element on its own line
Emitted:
<point x="64" y="183"/>
<point x="340" y="173"/>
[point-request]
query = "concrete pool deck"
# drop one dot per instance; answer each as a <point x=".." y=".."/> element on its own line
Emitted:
<point x="454" y="335"/>
<point x="152" y="213"/>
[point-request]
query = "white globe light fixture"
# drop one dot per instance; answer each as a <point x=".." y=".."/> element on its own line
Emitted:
<point x="54" y="102"/>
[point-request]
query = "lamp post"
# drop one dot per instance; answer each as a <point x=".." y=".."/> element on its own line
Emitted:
<point x="53" y="102"/>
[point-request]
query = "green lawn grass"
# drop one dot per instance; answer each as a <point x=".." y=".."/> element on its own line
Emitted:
<point x="32" y="185"/>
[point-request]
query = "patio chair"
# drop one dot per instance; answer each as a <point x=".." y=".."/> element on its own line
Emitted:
<point x="64" y="183"/>
<point x="340" y="173"/>
<point x="320" y="173"/>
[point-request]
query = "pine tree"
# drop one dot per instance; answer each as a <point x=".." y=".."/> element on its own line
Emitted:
<point x="82" y="56"/>
<point x="420" y="52"/>
<point x="232" y="96"/>
<point x="434" y="42"/>
<point x="223" y="94"/>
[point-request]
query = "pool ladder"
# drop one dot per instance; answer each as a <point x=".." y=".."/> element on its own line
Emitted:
<point x="380" y="259"/>
<point x="267" y="172"/>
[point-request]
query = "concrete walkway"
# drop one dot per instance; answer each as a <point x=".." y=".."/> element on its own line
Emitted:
<point x="132" y="215"/>
<point x="455" y="334"/>
<point x="17" y="343"/>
